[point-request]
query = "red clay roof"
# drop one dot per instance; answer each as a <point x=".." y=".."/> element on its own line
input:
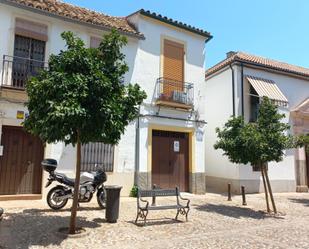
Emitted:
<point x="260" y="61"/>
<point x="76" y="13"/>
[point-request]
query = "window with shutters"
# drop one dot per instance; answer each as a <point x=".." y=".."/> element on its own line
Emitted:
<point x="171" y="89"/>
<point x="97" y="154"/>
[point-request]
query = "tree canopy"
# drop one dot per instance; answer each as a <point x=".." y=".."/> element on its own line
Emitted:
<point x="83" y="90"/>
<point x="255" y="143"/>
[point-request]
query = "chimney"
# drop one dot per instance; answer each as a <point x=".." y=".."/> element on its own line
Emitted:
<point x="229" y="54"/>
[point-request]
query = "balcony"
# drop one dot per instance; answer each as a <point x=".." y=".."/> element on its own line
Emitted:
<point x="16" y="71"/>
<point x="173" y="93"/>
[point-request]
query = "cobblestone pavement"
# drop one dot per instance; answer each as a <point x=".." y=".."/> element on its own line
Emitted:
<point x="213" y="223"/>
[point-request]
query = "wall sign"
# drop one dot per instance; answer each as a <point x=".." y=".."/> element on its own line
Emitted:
<point x="176" y="146"/>
<point x="20" y="114"/>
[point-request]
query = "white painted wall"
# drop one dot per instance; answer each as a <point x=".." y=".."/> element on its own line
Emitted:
<point x="219" y="109"/>
<point x="148" y="68"/>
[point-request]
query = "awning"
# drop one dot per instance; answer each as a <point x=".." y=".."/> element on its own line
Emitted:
<point x="267" y="88"/>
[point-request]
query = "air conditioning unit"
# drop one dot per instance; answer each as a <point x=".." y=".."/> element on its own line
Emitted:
<point x="181" y="97"/>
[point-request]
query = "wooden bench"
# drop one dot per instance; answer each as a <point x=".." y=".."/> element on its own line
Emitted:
<point x="142" y="210"/>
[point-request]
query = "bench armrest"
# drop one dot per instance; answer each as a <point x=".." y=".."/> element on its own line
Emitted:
<point x="185" y="199"/>
<point x="142" y="200"/>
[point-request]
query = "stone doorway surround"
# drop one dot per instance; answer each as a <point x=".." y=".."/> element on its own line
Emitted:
<point x="300" y="117"/>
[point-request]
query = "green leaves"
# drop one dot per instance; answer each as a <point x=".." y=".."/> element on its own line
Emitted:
<point x="83" y="90"/>
<point x="255" y="143"/>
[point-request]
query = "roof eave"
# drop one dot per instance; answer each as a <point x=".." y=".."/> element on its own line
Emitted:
<point x="240" y="61"/>
<point x="68" y="19"/>
<point x="205" y="34"/>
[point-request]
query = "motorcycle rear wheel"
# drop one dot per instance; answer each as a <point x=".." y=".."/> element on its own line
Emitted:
<point x="54" y="193"/>
<point x="101" y="198"/>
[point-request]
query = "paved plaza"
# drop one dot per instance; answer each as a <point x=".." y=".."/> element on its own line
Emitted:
<point x="213" y="223"/>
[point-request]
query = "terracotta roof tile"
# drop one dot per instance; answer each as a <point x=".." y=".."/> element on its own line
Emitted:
<point x="83" y="15"/>
<point x="261" y="61"/>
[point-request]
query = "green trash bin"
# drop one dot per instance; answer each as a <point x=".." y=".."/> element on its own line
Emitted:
<point x="112" y="203"/>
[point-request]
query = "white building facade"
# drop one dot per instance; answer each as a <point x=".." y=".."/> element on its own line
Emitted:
<point x="234" y="87"/>
<point x="164" y="146"/>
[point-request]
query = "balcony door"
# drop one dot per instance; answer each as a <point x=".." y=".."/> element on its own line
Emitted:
<point x="173" y="68"/>
<point x="28" y="59"/>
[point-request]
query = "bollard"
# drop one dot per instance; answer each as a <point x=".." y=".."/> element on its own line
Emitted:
<point x="229" y="198"/>
<point x="243" y="193"/>
<point x="154" y="186"/>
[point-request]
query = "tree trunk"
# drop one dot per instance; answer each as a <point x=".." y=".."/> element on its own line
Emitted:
<point x="262" y="167"/>
<point x="72" y="228"/>
<point x="270" y="192"/>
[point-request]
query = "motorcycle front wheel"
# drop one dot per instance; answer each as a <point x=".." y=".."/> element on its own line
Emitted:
<point x="101" y="198"/>
<point x="53" y="200"/>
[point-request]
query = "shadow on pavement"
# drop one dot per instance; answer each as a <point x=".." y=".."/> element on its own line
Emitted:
<point x="234" y="211"/>
<point x="305" y="202"/>
<point x="32" y="228"/>
<point x="156" y="222"/>
<point x="49" y="210"/>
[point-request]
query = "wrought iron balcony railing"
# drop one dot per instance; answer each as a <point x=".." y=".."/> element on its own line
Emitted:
<point x="173" y="91"/>
<point x="17" y="70"/>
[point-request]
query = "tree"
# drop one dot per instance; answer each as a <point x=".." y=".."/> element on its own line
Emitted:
<point x="81" y="98"/>
<point x="256" y="143"/>
<point x="302" y="141"/>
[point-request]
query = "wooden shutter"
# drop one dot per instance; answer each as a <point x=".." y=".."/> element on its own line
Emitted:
<point x="173" y="68"/>
<point x="99" y="154"/>
<point x="173" y="61"/>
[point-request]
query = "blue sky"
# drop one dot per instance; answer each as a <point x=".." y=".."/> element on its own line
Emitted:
<point x="277" y="29"/>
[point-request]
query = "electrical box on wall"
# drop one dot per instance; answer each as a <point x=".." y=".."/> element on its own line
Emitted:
<point x="1" y="150"/>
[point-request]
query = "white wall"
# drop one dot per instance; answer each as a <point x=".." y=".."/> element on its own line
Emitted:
<point x="148" y="68"/>
<point x="218" y="108"/>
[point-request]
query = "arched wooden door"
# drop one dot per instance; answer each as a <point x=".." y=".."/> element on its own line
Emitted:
<point x="20" y="164"/>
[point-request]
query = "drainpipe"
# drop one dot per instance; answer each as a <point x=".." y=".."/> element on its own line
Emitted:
<point x="242" y="91"/>
<point x="233" y="89"/>
<point x="137" y="135"/>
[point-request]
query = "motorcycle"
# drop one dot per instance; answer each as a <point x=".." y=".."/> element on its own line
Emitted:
<point x="90" y="182"/>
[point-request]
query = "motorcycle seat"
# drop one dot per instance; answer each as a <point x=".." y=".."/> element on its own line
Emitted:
<point x="66" y="180"/>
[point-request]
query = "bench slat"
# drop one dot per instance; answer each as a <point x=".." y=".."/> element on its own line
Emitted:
<point x="157" y="192"/>
<point x="164" y="207"/>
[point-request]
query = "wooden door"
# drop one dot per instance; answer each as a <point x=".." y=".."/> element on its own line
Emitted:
<point x="20" y="165"/>
<point x="173" y="67"/>
<point x="170" y="159"/>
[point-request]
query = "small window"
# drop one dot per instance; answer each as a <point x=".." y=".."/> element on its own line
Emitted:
<point x="99" y="154"/>
<point x="254" y="105"/>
